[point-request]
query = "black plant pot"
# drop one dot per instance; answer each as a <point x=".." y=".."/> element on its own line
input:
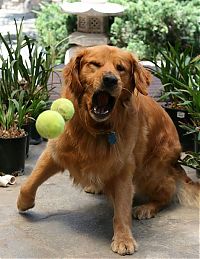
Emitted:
<point x="35" y="137"/>
<point x="12" y="155"/>
<point x="181" y="116"/>
<point x="27" y="128"/>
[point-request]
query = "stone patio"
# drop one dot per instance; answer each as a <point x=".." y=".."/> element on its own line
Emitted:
<point x="68" y="223"/>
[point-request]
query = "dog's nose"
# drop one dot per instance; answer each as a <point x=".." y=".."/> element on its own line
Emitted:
<point x="109" y="80"/>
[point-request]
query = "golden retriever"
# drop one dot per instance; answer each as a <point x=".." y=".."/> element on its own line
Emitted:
<point x="120" y="141"/>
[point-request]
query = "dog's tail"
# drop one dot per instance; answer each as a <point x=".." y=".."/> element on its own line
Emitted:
<point x="188" y="191"/>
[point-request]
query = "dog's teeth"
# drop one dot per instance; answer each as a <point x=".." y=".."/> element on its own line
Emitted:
<point x="98" y="111"/>
<point x="105" y="112"/>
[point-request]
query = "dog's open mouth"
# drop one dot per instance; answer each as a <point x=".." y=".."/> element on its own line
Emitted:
<point x="102" y="104"/>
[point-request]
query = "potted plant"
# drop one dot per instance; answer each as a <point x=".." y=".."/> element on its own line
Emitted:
<point x="192" y="159"/>
<point x="13" y="137"/>
<point x="177" y="72"/>
<point x="25" y="85"/>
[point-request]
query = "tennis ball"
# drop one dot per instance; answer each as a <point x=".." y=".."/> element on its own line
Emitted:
<point x="50" y="124"/>
<point x="64" y="106"/>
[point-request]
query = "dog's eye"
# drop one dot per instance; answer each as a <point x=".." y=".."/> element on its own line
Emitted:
<point x="95" y="63"/>
<point x="120" y="68"/>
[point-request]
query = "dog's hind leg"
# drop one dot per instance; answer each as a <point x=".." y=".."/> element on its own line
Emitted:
<point x="45" y="168"/>
<point x="160" y="192"/>
<point x="93" y="189"/>
<point x="165" y="185"/>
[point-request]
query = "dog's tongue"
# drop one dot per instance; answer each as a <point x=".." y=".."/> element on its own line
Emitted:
<point x="102" y="99"/>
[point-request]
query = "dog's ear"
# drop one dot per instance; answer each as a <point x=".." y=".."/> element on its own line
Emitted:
<point x="141" y="77"/>
<point x="71" y="75"/>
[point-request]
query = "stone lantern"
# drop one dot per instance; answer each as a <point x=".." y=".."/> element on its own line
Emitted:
<point x="92" y="23"/>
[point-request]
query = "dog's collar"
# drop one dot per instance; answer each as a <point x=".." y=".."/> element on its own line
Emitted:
<point x="109" y="134"/>
<point x="112" y="137"/>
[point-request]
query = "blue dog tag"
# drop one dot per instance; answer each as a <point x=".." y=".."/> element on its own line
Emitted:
<point x="112" y="138"/>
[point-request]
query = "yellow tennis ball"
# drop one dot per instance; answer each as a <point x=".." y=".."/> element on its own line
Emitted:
<point x="50" y="124"/>
<point x="64" y="106"/>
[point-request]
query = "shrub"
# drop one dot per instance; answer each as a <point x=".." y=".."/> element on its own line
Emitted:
<point x="148" y="25"/>
<point x="53" y="26"/>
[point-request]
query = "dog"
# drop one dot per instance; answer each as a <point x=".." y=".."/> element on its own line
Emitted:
<point x="120" y="142"/>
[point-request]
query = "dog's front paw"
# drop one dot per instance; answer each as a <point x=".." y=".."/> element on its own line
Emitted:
<point x="124" y="246"/>
<point x="25" y="201"/>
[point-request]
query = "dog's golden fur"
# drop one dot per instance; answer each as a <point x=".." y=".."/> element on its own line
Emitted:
<point x="144" y="158"/>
